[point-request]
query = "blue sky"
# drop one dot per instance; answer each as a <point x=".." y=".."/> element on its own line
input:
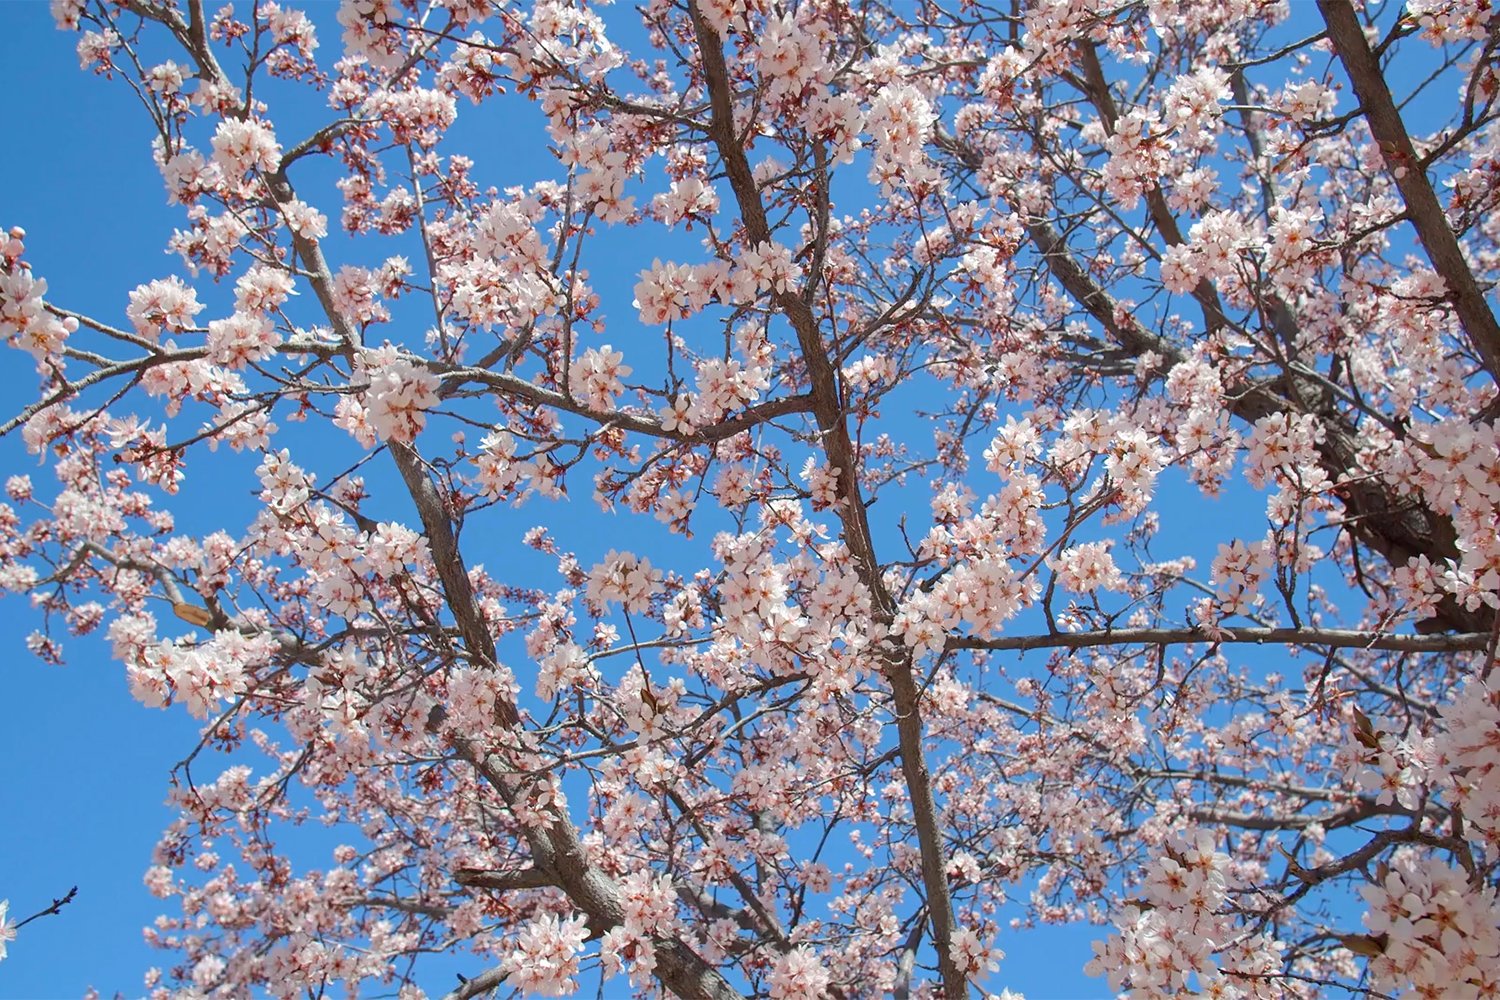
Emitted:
<point x="85" y="767"/>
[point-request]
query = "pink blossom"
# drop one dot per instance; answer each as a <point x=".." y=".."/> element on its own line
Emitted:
<point x="596" y="377"/>
<point x="546" y="956"/>
<point x="241" y="339"/>
<point x="241" y="145"/>
<point x="799" y="975"/>
<point x="165" y="304"/>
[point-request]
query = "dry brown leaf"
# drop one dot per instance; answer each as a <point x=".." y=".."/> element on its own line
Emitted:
<point x="192" y="614"/>
<point x="1364" y="944"/>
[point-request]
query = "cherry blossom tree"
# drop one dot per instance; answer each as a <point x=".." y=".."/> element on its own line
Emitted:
<point x="1035" y="272"/>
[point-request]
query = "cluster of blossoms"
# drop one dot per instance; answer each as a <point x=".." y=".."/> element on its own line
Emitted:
<point x="723" y="386"/>
<point x="1432" y="931"/>
<point x="974" y="957"/>
<point x="1191" y="103"/>
<point x="1451" y="20"/>
<point x="595" y="377"/>
<point x="792" y="56"/>
<point x="394" y="406"/>
<point x="162" y="305"/>
<point x="565" y="667"/>
<point x="1456" y="467"/>
<point x="473" y="70"/>
<point x="799" y="974"/>
<point x="1239" y="570"/>
<point x="677" y="291"/>
<point x="25" y="321"/>
<point x="604" y="170"/>
<point x="545" y="959"/>
<point x="1213" y="251"/>
<point x="371" y="30"/>
<point x="900" y="120"/>
<point x="304" y="220"/>
<point x="501" y="473"/>
<point x="200" y="676"/>
<point x="687" y="198"/>
<point x="241" y="145"/>
<point x="1307" y="101"/>
<point x="509" y="284"/>
<point x="1392" y="768"/>
<point x="417" y="115"/>
<point x="1292" y="253"/>
<point x="357" y="292"/>
<point x="1183" y="928"/>
<point x="1467" y="752"/>
<point x="1085" y="568"/>
<point x="188" y="174"/>
<point x="241" y="339"/>
<point x="210" y="242"/>
<point x="624" y="579"/>
<point x="1139" y="152"/>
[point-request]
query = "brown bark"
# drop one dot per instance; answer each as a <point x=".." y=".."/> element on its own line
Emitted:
<point x="1422" y="205"/>
<point x="1397" y="527"/>
<point x="839" y="447"/>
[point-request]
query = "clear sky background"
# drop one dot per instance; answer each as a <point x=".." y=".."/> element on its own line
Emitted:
<point x="84" y="767"/>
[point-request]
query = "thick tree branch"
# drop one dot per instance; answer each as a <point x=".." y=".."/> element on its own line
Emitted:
<point x="827" y="406"/>
<point x="557" y="851"/>
<point x="502" y="881"/>
<point x="559" y="854"/>
<point x="1373" y="848"/>
<point x="481" y="984"/>
<point x="1397" y="527"/>
<point x="519" y="388"/>
<point x="1328" y="638"/>
<point x="458" y="591"/>
<point x="1422" y="205"/>
<point x="1097" y="88"/>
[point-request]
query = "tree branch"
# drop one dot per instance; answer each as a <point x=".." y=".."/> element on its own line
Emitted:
<point x="487" y="980"/>
<point x="1422" y="205"/>
<point x="502" y="881"/>
<point x="557" y="849"/>
<point x="838" y="446"/>
<point x="1453" y="642"/>
<point x="55" y="908"/>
